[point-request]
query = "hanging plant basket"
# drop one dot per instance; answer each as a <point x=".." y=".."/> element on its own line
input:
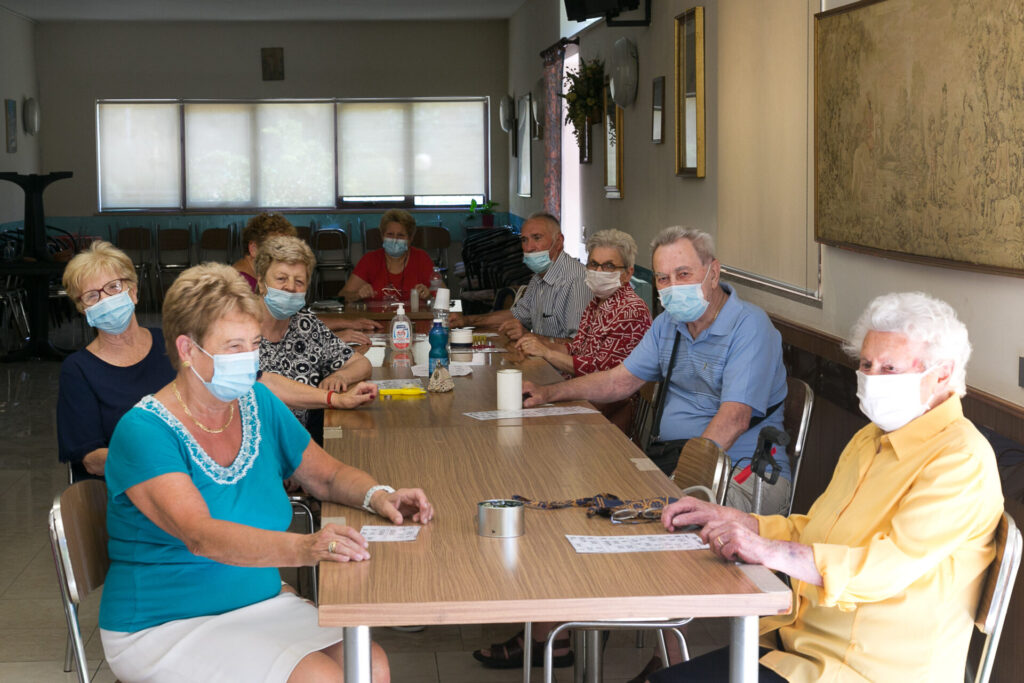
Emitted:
<point x="583" y="97"/>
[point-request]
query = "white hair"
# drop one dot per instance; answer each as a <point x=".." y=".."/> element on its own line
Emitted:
<point x="702" y="242"/>
<point x="615" y="239"/>
<point x="923" y="319"/>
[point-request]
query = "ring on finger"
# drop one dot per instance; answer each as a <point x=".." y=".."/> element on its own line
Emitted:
<point x="331" y="546"/>
<point x="719" y="541"/>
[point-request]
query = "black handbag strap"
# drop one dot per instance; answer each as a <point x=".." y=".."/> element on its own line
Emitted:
<point x="663" y="392"/>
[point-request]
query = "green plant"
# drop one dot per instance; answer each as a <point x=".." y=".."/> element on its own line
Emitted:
<point x="583" y="95"/>
<point x="484" y="209"/>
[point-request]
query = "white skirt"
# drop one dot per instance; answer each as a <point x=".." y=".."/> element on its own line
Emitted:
<point x="261" y="642"/>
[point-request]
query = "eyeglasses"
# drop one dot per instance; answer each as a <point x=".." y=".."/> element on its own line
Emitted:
<point x="608" y="267"/>
<point x="635" y="516"/>
<point x="92" y="296"/>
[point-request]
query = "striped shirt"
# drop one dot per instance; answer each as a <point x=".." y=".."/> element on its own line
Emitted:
<point x="553" y="303"/>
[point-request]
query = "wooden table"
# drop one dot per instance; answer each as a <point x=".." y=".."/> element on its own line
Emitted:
<point x="384" y="311"/>
<point x="450" y="575"/>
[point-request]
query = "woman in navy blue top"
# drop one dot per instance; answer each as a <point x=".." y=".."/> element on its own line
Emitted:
<point x="121" y="365"/>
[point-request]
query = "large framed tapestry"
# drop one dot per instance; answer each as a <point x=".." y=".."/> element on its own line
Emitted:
<point x="919" y="131"/>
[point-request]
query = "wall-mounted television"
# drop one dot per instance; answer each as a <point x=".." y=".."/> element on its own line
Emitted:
<point x="579" y="10"/>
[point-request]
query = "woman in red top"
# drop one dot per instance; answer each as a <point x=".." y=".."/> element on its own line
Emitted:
<point x="394" y="270"/>
<point x="614" y="321"/>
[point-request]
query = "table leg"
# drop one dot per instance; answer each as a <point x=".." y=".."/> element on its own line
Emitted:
<point x="527" y="650"/>
<point x="595" y="656"/>
<point x="357" y="654"/>
<point x="743" y="650"/>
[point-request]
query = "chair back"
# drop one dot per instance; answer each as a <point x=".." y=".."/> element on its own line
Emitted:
<point x="78" y="539"/>
<point x="372" y="240"/>
<point x="703" y="464"/>
<point x="995" y="596"/>
<point x="330" y="245"/>
<point x="215" y="245"/>
<point x="137" y="243"/>
<point x="305" y="233"/>
<point x="643" y="414"/>
<point x="173" y="247"/>
<point x="796" y="421"/>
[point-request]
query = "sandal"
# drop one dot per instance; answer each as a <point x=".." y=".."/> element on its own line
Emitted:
<point x="509" y="655"/>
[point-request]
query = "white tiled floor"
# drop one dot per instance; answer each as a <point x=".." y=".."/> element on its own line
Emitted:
<point x="32" y="627"/>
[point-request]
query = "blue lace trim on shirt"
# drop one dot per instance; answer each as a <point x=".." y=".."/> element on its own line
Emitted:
<point x="225" y="476"/>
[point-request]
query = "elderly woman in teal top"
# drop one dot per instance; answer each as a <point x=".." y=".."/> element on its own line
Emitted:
<point x="197" y="513"/>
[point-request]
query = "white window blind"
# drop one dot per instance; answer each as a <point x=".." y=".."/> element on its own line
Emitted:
<point x="139" y="155"/>
<point x="280" y="154"/>
<point x="259" y="154"/>
<point x="430" y="150"/>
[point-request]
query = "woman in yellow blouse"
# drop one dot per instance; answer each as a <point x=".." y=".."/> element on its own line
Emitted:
<point x="888" y="564"/>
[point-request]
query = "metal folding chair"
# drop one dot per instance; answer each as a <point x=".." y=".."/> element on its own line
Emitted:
<point x="995" y="596"/>
<point x="78" y="538"/>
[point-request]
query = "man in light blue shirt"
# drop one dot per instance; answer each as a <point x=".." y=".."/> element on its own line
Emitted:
<point x="727" y="372"/>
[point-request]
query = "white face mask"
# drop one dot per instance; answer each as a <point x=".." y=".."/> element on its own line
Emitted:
<point x="891" y="401"/>
<point x="603" y="284"/>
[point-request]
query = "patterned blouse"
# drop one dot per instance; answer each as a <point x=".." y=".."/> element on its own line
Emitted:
<point x="308" y="352"/>
<point x="608" y="331"/>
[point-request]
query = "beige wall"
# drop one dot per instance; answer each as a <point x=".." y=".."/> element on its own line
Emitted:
<point x="17" y="82"/>
<point x="80" y="62"/>
<point x="655" y="197"/>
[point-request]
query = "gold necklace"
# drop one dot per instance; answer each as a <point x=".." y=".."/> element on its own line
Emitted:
<point x="231" y="415"/>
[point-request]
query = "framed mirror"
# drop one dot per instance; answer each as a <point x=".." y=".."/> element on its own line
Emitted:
<point x="690" y="93"/>
<point x="612" y="145"/>
<point x="524" y="119"/>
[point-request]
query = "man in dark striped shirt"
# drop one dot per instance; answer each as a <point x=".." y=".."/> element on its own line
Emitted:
<point x="554" y="300"/>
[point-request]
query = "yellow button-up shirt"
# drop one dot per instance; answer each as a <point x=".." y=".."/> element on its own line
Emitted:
<point x="902" y="537"/>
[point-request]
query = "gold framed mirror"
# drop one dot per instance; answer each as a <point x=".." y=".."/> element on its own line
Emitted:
<point x="612" y="145"/>
<point x="689" y="104"/>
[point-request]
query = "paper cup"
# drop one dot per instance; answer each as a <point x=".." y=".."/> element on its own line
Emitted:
<point x="443" y="298"/>
<point x="421" y="352"/>
<point x="510" y="390"/>
<point x="375" y="354"/>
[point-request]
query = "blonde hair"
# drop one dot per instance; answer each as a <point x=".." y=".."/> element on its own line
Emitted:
<point x="615" y="239"/>
<point x="98" y="257"/>
<point x="279" y="249"/>
<point x="201" y="296"/>
<point x="260" y="227"/>
<point x="403" y="218"/>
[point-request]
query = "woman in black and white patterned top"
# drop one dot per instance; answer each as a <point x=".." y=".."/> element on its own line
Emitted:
<point x="296" y="344"/>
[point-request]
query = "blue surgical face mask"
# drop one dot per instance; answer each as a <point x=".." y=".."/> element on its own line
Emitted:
<point x="537" y="261"/>
<point x="395" y="248"/>
<point x="112" y="315"/>
<point x="282" y="304"/>
<point x="233" y="373"/>
<point x="685" y="303"/>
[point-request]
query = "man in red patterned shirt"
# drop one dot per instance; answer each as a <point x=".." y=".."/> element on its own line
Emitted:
<point x="613" y="323"/>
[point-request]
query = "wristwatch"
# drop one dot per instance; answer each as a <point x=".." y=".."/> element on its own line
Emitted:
<point x="369" y="495"/>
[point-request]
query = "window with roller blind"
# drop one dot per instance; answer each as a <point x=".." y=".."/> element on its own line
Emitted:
<point x="298" y="155"/>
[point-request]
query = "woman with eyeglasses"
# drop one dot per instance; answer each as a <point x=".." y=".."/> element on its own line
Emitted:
<point x="614" y="321"/>
<point x="297" y="345"/>
<point x="394" y="270"/>
<point x="197" y="514"/>
<point x="126" y="361"/>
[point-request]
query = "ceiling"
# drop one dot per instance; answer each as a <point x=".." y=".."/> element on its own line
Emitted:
<point x="260" y="10"/>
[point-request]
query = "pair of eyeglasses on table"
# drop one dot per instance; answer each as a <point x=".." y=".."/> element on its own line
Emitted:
<point x="634" y="516"/>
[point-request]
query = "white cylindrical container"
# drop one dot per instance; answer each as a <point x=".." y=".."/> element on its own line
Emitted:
<point x="510" y="389"/>
<point x="443" y="299"/>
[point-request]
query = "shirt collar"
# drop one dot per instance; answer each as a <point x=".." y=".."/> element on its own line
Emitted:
<point x="556" y="270"/>
<point x="909" y="438"/>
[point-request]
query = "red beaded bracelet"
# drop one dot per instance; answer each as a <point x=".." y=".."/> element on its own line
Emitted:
<point x="329" y="394"/>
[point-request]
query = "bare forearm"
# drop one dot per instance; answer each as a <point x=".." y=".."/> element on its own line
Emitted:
<point x="731" y="420"/>
<point x="602" y="387"/>
<point x="560" y="359"/>
<point x="492" y="319"/>
<point x="795" y="559"/>
<point x="95" y="461"/>
<point x="356" y="369"/>
<point x="294" y="394"/>
<point x="244" y="546"/>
